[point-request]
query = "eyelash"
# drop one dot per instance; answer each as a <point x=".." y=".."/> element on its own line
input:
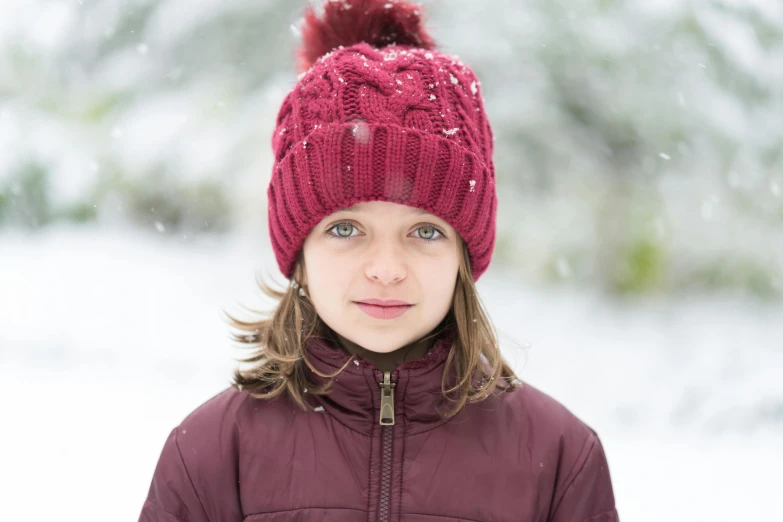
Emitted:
<point x="441" y="237"/>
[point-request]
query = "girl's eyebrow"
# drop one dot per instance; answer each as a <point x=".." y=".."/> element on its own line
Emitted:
<point x="355" y="208"/>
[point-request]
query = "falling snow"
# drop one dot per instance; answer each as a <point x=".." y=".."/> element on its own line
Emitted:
<point x="670" y="88"/>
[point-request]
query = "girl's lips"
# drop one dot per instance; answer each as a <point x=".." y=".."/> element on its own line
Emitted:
<point x="383" y="312"/>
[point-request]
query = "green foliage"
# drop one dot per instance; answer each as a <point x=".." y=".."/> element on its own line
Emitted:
<point x="24" y="199"/>
<point x="99" y="107"/>
<point x="737" y="274"/>
<point x="152" y="200"/>
<point x="642" y="267"/>
<point x="82" y="212"/>
<point x="159" y="200"/>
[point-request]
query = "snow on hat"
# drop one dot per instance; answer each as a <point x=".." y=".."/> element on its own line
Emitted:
<point x="378" y="114"/>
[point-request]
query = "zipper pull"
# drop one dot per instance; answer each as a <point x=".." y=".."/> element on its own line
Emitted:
<point x="387" y="399"/>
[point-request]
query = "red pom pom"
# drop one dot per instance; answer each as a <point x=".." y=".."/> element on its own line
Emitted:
<point x="348" y="22"/>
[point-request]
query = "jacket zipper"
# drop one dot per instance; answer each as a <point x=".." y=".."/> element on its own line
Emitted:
<point x="386" y="421"/>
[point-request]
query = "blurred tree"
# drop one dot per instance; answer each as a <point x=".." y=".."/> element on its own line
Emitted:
<point x="599" y="108"/>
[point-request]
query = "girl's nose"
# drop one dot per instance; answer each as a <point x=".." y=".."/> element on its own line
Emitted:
<point x="387" y="264"/>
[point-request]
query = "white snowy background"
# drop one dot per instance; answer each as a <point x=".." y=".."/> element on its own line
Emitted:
<point x="633" y="138"/>
<point x="110" y="337"/>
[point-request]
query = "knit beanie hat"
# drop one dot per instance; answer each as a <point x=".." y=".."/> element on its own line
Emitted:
<point x="378" y="114"/>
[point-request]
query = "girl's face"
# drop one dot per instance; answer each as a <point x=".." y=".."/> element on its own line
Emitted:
<point x="381" y="250"/>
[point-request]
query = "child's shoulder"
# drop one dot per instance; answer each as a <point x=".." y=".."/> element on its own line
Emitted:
<point x="212" y="421"/>
<point x="556" y="438"/>
<point x="201" y="458"/>
<point x="230" y="409"/>
<point x="216" y="428"/>
<point x="540" y="413"/>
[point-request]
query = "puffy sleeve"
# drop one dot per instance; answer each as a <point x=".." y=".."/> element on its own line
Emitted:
<point x="586" y="494"/>
<point x="172" y="496"/>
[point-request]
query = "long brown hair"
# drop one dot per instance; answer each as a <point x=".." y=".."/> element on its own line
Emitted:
<point x="278" y="358"/>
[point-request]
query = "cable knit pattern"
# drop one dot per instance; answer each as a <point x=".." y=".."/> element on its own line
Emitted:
<point x="400" y="124"/>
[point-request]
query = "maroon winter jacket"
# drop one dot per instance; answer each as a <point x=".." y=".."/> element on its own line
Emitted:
<point x="518" y="456"/>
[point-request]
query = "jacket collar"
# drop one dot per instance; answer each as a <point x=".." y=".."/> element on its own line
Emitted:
<point x="355" y="396"/>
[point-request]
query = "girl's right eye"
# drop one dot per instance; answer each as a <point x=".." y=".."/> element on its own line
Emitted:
<point x="340" y="227"/>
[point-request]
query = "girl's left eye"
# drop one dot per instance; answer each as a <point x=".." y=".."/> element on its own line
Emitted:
<point x="432" y="231"/>
<point x="343" y="227"/>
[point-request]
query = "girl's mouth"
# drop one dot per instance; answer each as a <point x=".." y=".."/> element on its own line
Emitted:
<point x="383" y="312"/>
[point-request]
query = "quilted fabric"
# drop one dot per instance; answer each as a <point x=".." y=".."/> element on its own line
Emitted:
<point x="515" y="457"/>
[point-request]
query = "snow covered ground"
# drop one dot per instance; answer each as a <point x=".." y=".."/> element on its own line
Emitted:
<point x="108" y="338"/>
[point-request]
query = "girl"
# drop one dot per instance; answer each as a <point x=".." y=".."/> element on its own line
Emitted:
<point x="377" y="389"/>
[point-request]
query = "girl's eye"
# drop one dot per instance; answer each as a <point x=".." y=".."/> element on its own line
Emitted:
<point x="340" y="228"/>
<point x="430" y="234"/>
<point x="344" y="232"/>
